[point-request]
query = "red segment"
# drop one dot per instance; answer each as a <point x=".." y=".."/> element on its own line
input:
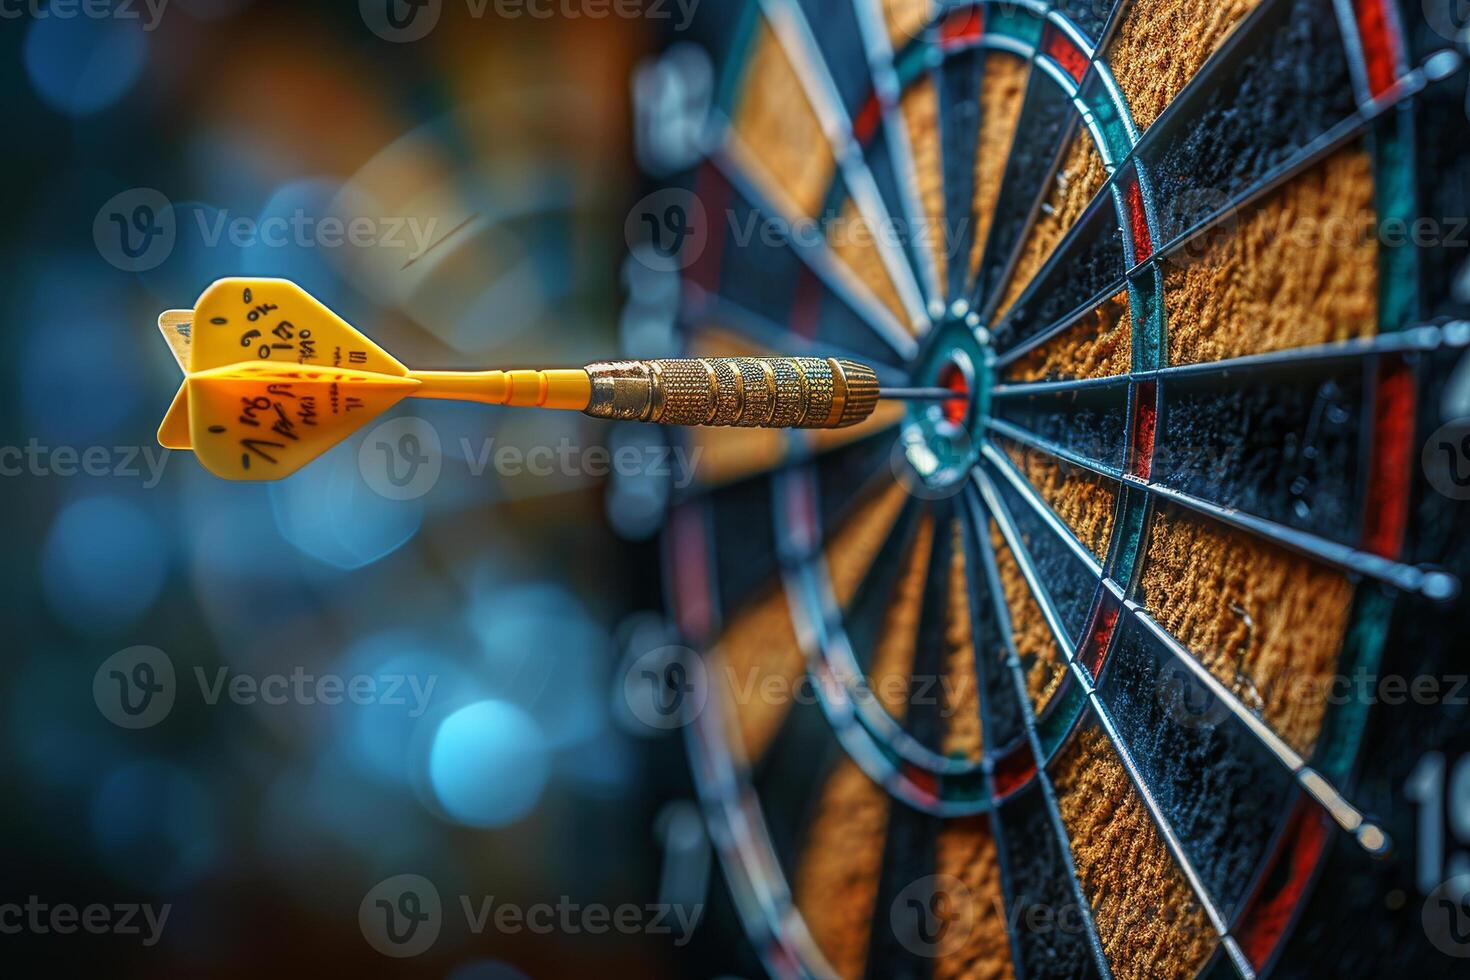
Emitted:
<point x="1014" y="770"/>
<point x="1143" y="241"/>
<point x="924" y="780"/>
<point x="961" y="27"/>
<point x="868" y="117"/>
<point x="1380" y="44"/>
<point x="1271" y="908"/>
<point x="783" y="961"/>
<point x="800" y="512"/>
<point x="692" y="603"/>
<point x="1064" y="51"/>
<point x="1145" y="427"/>
<point x="1392" y="458"/>
<point x="713" y="192"/>
<point x="806" y="304"/>
<point x="1100" y="637"/>
<point x="951" y="377"/>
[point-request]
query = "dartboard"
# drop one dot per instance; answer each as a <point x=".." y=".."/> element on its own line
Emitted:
<point x="1056" y="677"/>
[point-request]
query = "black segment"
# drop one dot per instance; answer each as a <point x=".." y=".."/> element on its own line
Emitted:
<point x="743" y="513"/>
<point x="864" y="616"/>
<point x="761" y="273"/>
<point x="745" y="560"/>
<point x="1050" y="940"/>
<point x="1069" y="584"/>
<point x="1284" y="444"/>
<point x="1047" y="119"/>
<point x="1213" y="781"/>
<point x="835" y="27"/>
<point x="898" y="938"/>
<point x="1000" y="707"/>
<point x="848" y="475"/>
<point x="1090" y="422"/>
<point x="1278" y="85"/>
<point x="792" y="774"/>
<point x="959" y="80"/>
<point x="1444" y="182"/>
<point x="717" y="30"/>
<point x="1086" y="269"/>
<point x="923" y="718"/>
<point x="908" y="860"/>
<point x="1090" y="15"/>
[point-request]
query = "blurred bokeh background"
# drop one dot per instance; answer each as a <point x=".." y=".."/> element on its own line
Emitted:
<point x="150" y="152"/>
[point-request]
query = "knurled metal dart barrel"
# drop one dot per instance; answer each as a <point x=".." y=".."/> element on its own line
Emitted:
<point x="272" y="379"/>
<point x="763" y="392"/>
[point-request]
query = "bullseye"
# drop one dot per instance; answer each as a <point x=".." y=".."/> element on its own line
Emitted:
<point x="955" y="410"/>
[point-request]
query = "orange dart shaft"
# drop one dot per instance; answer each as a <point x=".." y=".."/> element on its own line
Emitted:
<point x="565" y="389"/>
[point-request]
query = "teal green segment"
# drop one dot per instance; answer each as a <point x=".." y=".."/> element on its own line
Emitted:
<point x="1053" y="726"/>
<point x="1109" y="121"/>
<point x="1362" y="655"/>
<point x="1133" y="519"/>
<point x="1398" y="265"/>
<point x="1392" y="145"/>
<point x="1146" y="302"/>
<point x="970" y="789"/>
<point x="1013" y="21"/>
<point x="913" y="61"/>
<point x="735" y="63"/>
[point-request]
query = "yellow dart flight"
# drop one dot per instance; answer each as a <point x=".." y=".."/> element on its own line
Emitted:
<point x="273" y="379"/>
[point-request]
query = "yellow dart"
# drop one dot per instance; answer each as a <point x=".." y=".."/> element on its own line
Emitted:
<point x="273" y="379"/>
